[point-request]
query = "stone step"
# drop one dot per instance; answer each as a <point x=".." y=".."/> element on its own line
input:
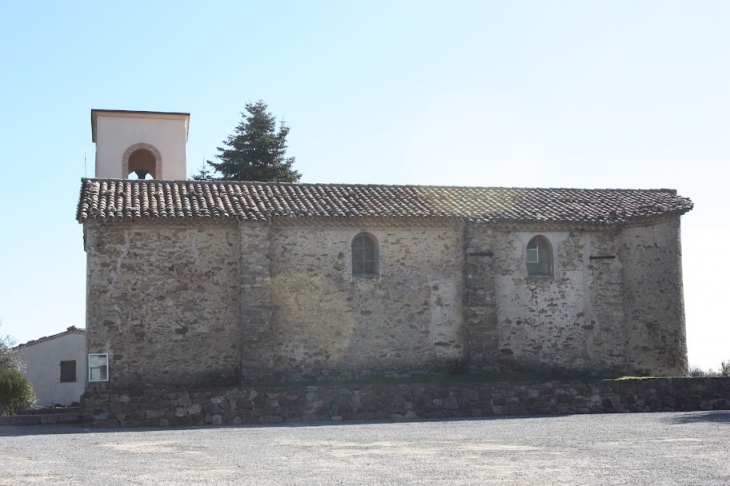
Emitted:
<point x="46" y="419"/>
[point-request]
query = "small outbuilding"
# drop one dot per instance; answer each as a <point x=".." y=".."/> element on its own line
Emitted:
<point x="55" y="366"/>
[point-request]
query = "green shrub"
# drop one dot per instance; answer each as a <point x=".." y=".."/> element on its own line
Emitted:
<point x="697" y="372"/>
<point x="15" y="392"/>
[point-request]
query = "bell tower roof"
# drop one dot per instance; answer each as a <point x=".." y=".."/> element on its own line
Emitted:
<point x="138" y="114"/>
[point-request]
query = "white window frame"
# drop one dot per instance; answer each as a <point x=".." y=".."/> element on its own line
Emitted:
<point x="106" y="360"/>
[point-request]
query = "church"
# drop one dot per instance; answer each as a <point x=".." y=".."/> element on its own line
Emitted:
<point x="194" y="284"/>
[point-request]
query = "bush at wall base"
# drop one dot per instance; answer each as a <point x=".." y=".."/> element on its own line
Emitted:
<point x="15" y="392"/>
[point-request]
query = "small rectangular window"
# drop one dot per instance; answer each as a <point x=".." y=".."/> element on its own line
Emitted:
<point x="68" y="371"/>
<point x="532" y="255"/>
<point x="98" y="367"/>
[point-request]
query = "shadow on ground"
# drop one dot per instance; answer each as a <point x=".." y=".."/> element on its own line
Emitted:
<point x="719" y="416"/>
<point x="79" y="428"/>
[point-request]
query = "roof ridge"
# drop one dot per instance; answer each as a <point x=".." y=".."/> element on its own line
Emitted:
<point x="347" y="184"/>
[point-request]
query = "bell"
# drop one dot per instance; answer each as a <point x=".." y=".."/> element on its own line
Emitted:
<point x="141" y="173"/>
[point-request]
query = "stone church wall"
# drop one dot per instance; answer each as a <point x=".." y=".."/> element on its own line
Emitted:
<point x="550" y="321"/>
<point x="480" y="309"/>
<point x="257" y="333"/>
<point x="654" y="299"/>
<point x="162" y="301"/>
<point x="224" y="303"/>
<point x="328" y="323"/>
<point x="570" y="321"/>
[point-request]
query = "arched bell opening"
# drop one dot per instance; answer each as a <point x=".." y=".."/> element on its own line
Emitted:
<point x="142" y="161"/>
<point x="142" y="164"/>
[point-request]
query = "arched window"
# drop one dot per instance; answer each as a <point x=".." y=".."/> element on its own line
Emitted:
<point x="142" y="163"/>
<point x="539" y="257"/>
<point x="364" y="255"/>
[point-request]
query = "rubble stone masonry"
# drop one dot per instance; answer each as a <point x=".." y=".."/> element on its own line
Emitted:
<point x="407" y="319"/>
<point x="332" y="403"/>
<point x="162" y="301"/>
<point x="222" y="303"/>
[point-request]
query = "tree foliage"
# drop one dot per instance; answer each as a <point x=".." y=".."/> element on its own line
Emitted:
<point x="8" y="356"/>
<point x="15" y="391"/>
<point x="697" y="372"/>
<point x="255" y="152"/>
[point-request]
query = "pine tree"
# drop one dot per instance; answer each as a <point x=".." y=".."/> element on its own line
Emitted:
<point x="255" y="152"/>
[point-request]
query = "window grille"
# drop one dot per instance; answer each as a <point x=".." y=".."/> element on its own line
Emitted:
<point x="364" y="256"/>
<point x="539" y="257"/>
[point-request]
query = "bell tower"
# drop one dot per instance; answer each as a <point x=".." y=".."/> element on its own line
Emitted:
<point x="140" y="144"/>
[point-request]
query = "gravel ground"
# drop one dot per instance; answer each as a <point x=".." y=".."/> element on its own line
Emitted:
<point x="652" y="449"/>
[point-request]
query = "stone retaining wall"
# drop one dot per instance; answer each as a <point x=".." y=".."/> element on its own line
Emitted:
<point x="258" y="405"/>
<point x="45" y="419"/>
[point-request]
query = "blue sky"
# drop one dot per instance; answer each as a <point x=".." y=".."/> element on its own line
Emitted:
<point x="628" y="94"/>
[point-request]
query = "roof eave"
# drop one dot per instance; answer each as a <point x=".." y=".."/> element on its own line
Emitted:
<point x="135" y="113"/>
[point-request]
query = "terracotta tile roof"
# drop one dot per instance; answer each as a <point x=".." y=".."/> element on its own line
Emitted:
<point x="129" y="200"/>
<point x="70" y="330"/>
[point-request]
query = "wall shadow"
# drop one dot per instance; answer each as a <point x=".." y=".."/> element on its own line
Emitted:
<point x="80" y="428"/>
<point x="715" y="416"/>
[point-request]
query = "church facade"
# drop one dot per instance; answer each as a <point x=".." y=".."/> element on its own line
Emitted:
<point x="207" y="283"/>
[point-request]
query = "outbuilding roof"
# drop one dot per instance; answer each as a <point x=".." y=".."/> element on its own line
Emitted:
<point x="117" y="200"/>
<point x="69" y="330"/>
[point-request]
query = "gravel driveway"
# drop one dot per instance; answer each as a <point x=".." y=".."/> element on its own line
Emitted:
<point x="652" y="449"/>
